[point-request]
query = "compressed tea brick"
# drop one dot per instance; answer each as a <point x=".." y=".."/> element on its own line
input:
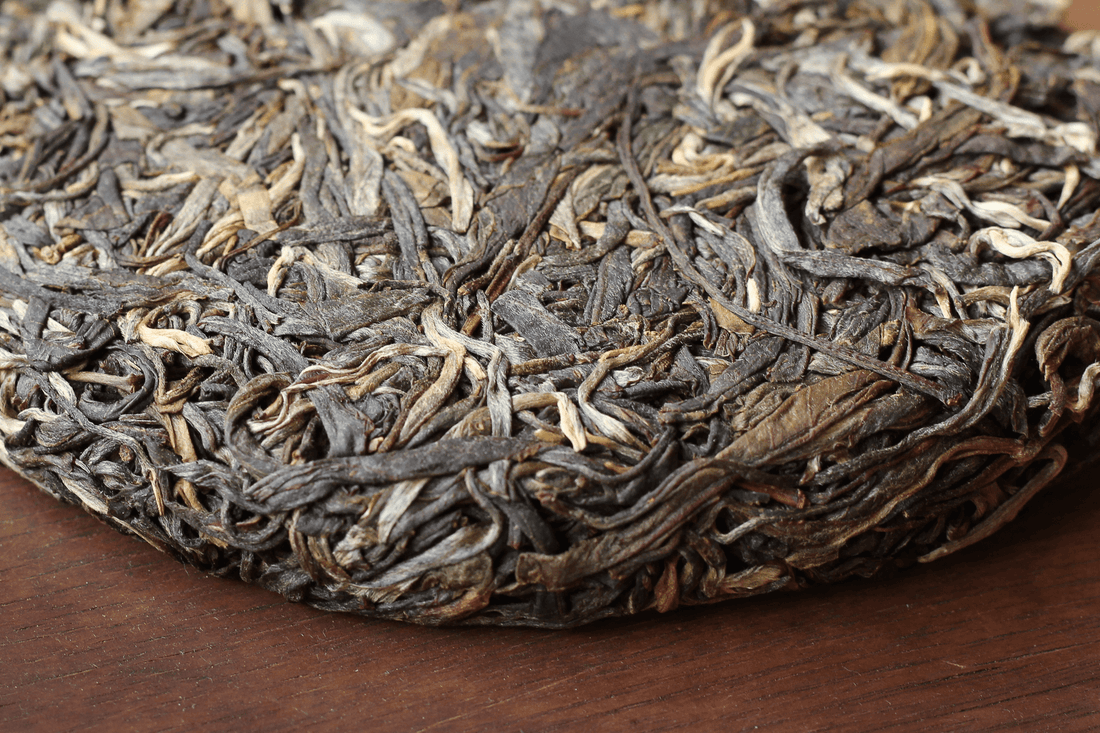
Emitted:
<point x="539" y="313"/>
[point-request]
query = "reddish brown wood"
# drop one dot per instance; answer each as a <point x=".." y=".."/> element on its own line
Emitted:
<point x="1083" y="14"/>
<point x="99" y="630"/>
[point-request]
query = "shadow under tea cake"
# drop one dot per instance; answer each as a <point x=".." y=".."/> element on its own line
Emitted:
<point x="543" y="312"/>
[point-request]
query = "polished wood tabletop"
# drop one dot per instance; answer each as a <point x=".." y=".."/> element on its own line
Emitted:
<point x="100" y="631"/>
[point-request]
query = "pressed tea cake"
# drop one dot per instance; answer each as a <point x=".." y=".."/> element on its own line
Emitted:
<point x="542" y="312"/>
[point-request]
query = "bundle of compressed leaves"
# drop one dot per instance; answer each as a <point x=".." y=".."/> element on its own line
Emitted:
<point x="542" y="312"/>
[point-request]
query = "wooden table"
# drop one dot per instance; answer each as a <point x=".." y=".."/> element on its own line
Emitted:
<point x="99" y="630"/>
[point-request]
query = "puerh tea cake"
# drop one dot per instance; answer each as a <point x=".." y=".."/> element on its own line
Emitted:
<point x="540" y="312"/>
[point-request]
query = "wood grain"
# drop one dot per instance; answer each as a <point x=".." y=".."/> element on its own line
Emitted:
<point x="100" y="628"/>
<point x="99" y="631"/>
<point x="1083" y="14"/>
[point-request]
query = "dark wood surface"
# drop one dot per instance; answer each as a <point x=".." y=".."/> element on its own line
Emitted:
<point x="100" y="631"/>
